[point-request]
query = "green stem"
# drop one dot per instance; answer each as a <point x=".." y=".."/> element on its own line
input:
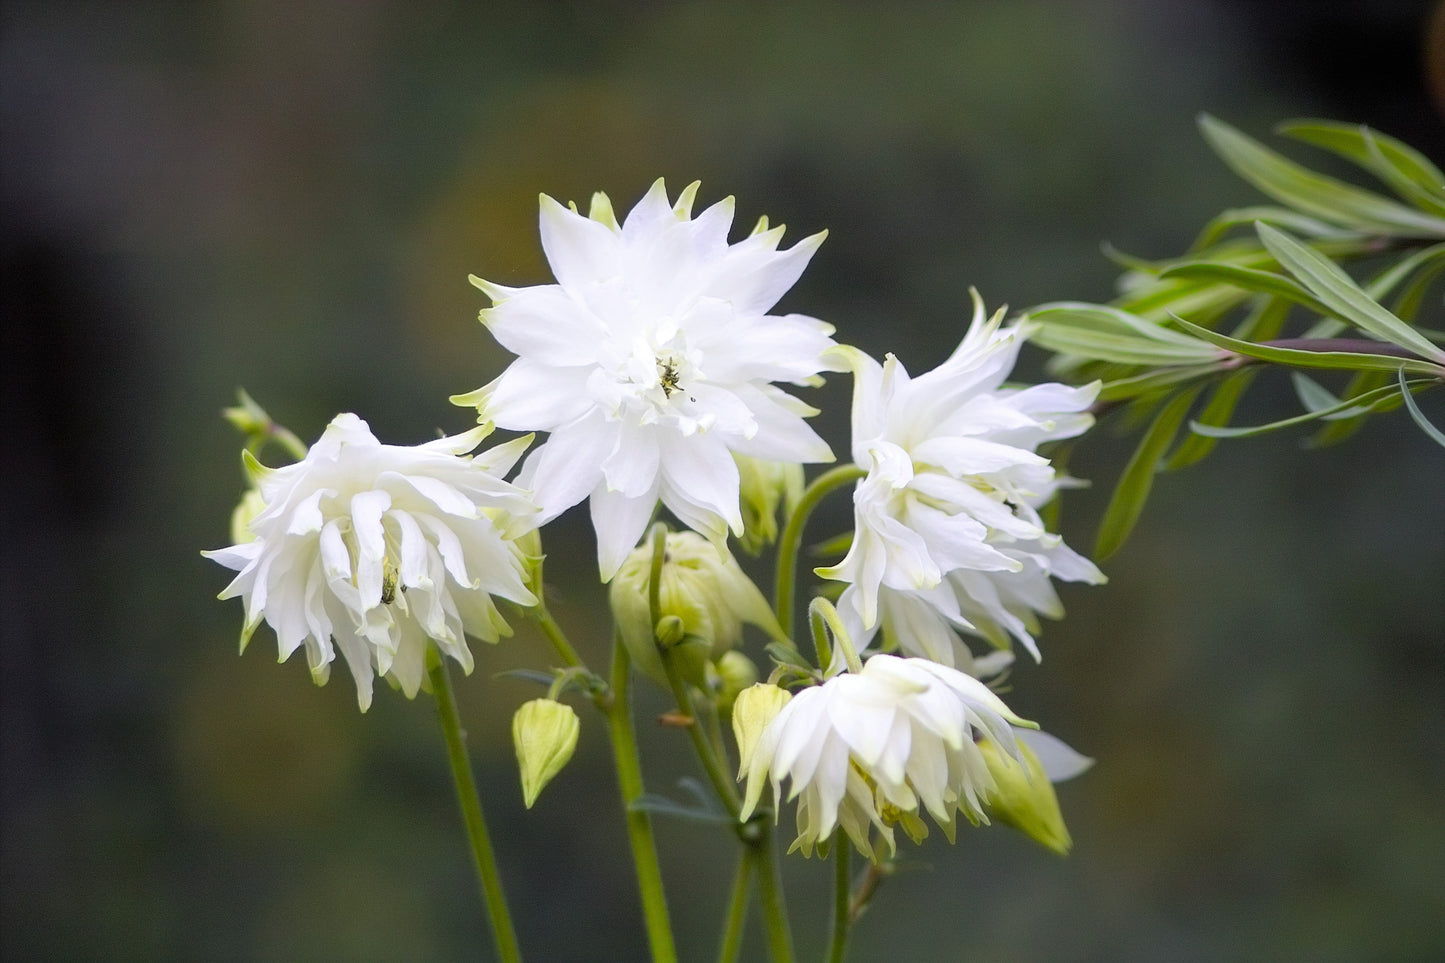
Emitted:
<point x="770" y="885"/>
<point x="639" y="827"/>
<point x="838" y="942"/>
<point x="557" y="637"/>
<point x="471" y="806"/>
<point x="717" y="774"/>
<point x="790" y="542"/>
<point x="732" y="940"/>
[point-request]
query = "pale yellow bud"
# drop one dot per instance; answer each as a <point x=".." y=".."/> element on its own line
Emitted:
<point x="1024" y="798"/>
<point x="755" y="707"/>
<point x="545" y="734"/>
<point x="702" y="595"/>
<point x="763" y="484"/>
<point x="251" y="505"/>
<point x="735" y="672"/>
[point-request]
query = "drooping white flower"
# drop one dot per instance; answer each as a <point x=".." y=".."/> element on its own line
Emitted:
<point x="946" y="518"/>
<point x="881" y="747"/>
<point x="651" y="362"/>
<point x="374" y="549"/>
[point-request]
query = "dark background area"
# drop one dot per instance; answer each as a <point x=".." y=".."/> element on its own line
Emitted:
<point x="289" y="197"/>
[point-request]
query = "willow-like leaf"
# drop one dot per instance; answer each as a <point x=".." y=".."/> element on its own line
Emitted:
<point x="1294" y="357"/>
<point x="1132" y="492"/>
<point x="1313" y="395"/>
<point x="1337" y="430"/>
<point x="1246" y="216"/>
<point x="1326" y="281"/>
<point x="1376" y="400"/>
<point x="1248" y="279"/>
<point x="1402" y="168"/>
<point x="1140" y="384"/>
<point x="1430" y="430"/>
<point x="1217" y="411"/>
<point x="1264" y="322"/>
<point x="1315" y="194"/>
<point x="1110" y="334"/>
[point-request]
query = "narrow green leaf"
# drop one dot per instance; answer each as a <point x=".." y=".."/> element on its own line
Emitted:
<point x="1313" y="395"/>
<point x="1250" y="279"/>
<point x="1109" y="334"/>
<point x="1132" y="387"/>
<point x="1337" y="430"/>
<point x="1408" y="300"/>
<point x="1133" y="489"/>
<point x="1364" y="404"/>
<point x="1265" y="321"/>
<point x="1315" y="194"/>
<point x="1430" y="430"/>
<point x="663" y="806"/>
<point x="1347" y="360"/>
<point x="1217" y="411"/>
<point x="1324" y="279"/>
<point x="1426" y="260"/>
<point x="1405" y="170"/>
<point x="1228" y="220"/>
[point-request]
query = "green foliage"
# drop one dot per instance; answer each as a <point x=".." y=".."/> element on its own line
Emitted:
<point x="1267" y="286"/>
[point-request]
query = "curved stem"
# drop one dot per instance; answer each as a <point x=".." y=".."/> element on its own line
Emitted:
<point x="717" y="773"/>
<point x="471" y="806"/>
<point x="732" y="939"/>
<point x="770" y="887"/>
<point x="557" y="637"/>
<point x="838" y="941"/>
<point x="790" y="541"/>
<point x="639" y="827"/>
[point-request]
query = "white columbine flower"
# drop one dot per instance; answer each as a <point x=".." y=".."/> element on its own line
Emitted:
<point x="377" y="548"/>
<point x="946" y="528"/>
<point x="651" y="363"/>
<point x="880" y="747"/>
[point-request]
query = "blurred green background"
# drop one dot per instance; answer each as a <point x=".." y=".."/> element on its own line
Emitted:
<point x="289" y="197"/>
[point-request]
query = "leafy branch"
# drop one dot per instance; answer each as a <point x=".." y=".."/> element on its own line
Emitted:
<point x="1266" y="287"/>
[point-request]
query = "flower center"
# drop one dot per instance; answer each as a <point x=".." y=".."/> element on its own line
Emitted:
<point x="651" y="382"/>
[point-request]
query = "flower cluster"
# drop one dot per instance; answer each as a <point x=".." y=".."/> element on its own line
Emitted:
<point x="653" y="364"/>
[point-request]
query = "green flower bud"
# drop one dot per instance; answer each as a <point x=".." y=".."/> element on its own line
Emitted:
<point x="735" y="672"/>
<point x="754" y="708"/>
<point x="545" y="734"/>
<point x="251" y="505"/>
<point x="702" y="589"/>
<point x="1024" y="798"/>
<point x="763" y="485"/>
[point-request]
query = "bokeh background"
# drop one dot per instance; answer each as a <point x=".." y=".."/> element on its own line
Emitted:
<point x="289" y="196"/>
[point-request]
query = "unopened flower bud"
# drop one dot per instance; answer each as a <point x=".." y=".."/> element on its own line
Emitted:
<point x="251" y="505"/>
<point x="702" y="589"/>
<point x="544" y="732"/>
<point x="735" y="672"/>
<point x="754" y="708"/>
<point x="1024" y="798"/>
<point x="763" y="484"/>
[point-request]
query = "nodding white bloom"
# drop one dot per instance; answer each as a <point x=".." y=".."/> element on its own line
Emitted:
<point x="374" y="549"/>
<point x="651" y="362"/>
<point x="946" y="517"/>
<point x="880" y="747"/>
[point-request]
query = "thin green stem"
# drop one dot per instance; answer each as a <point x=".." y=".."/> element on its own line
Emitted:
<point x="639" y="827"/>
<point x="790" y="542"/>
<point x="732" y="938"/>
<point x="557" y="637"/>
<point x="770" y="886"/>
<point x="717" y="773"/>
<point x="471" y="806"/>
<point x="838" y="941"/>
